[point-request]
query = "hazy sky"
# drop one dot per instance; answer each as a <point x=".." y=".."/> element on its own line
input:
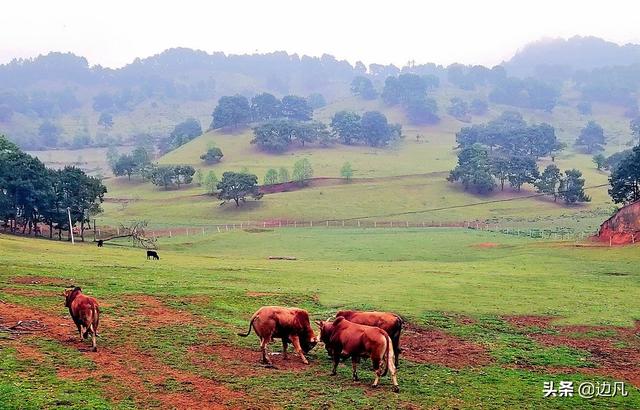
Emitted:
<point x="113" y="33"/>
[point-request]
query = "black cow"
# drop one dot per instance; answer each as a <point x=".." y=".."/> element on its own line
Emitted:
<point x="100" y="243"/>
<point x="152" y="255"/>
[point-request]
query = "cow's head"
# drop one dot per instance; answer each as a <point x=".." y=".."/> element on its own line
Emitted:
<point x="308" y="339"/>
<point x="326" y="330"/>
<point x="70" y="294"/>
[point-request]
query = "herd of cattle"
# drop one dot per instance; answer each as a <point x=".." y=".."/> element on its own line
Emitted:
<point x="352" y="334"/>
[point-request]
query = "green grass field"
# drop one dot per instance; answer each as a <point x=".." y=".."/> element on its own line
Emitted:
<point x="477" y="303"/>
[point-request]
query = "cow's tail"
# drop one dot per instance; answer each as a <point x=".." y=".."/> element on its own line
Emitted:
<point x="389" y="358"/>
<point x="96" y="319"/>
<point x="250" y="326"/>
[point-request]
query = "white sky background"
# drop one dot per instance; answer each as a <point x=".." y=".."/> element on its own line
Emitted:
<point x="113" y="33"/>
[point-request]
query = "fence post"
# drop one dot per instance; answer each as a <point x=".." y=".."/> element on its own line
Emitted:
<point x="170" y="234"/>
<point x="310" y="224"/>
<point x="218" y="228"/>
<point x="187" y="231"/>
<point x="117" y="230"/>
<point x="407" y="224"/>
<point x="203" y="231"/>
<point x="375" y="224"/>
<point x="295" y="224"/>
<point x="358" y="223"/>
<point x="264" y="224"/>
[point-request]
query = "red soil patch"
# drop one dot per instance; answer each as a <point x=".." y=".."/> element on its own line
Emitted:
<point x="466" y="320"/>
<point x="32" y="292"/>
<point x="237" y="361"/>
<point x="435" y="346"/>
<point x="621" y="363"/>
<point x="129" y="370"/>
<point x="159" y="314"/>
<point x="41" y="280"/>
<point x="26" y="352"/>
<point x="521" y="322"/>
<point x="487" y="245"/>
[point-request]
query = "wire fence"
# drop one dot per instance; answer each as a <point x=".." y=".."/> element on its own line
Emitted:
<point x="554" y="233"/>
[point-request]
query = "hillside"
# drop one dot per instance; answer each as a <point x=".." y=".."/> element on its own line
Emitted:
<point x="421" y="165"/>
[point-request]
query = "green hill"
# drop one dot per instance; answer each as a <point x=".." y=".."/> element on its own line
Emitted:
<point x="423" y="165"/>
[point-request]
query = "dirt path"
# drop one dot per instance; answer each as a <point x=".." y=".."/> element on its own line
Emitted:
<point x="128" y="372"/>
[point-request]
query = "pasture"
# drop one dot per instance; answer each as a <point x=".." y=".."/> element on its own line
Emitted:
<point x="491" y="318"/>
<point x="410" y="175"/>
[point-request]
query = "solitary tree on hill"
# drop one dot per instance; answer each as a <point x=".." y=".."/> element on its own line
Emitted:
<point x="591" y="138"/>
<point x="237" y="186"/>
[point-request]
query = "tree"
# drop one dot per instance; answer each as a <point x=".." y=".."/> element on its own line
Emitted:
<point x="213" y="155"/>
<point x="572" y="187"/>
<point x="584" y="107"/>
<point x="459" y="109"/>
<point x="49" y="134"/>
<point x="264" y="107"/>
<point x="549" y="181"/>
<point x="634" y="125"/>
<point x="422" y="110"/>
<point x="211" y="183"/>
<point x="296" y="108"/>
<point x="346" y="171"/>
<point x="363" y="87"/>
<point x="125" y="165"/>
<point x="473" y="169"/>
<point x="599" y="159"/>
<point x="404" y="88"/>
<point x="376" y="131"/>
<point x="591" y="138"/>
<point x="346" y="126"/>
<point x="198" y="177"/>
<point x="275" y="135"/>
<point x="625" y="178"/>
<point x="231" y="111"/>
<point x="302" y="171"/>
<point x="271" y="177"/>
<point x="184" y="132"/>
<point x="237" y="186"/>
<point x="479" y="107"/>
<point x="141" y="157"/>
<point x="283" y="175"/>
<point x="106" y="120"/>
<point x="168" y="175"/>
<point x="522" y="170"/>
<point x="500" y="168"/>
<point x="112" y="155"/>
<point x="316" y="100"/>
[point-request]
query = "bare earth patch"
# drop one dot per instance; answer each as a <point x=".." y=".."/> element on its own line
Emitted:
<point x="161" y="315"/>
<point x="437" y="347"/>
<point x="522" y="322"/>
<point x="127" y="370"/>
<point x="486" y="245"/>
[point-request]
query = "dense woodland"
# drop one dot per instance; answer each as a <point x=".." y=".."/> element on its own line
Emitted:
<point x="32" y="195"/>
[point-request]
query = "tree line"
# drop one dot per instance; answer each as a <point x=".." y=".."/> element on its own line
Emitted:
<point x="32" y="195"/>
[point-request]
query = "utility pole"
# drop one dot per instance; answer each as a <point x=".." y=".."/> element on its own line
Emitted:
<point x="73" y="242"/>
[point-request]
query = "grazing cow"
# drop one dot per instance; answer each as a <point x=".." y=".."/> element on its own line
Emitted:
<point x="289" y="324"/>
<point x="100" y="243"/>
<point x="152" y="254"/>
<point x="389" y="322"/>
<point x="344" y="339"/>
<point x="85" y="313"/>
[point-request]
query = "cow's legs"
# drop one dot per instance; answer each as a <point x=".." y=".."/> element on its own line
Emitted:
<point x="264" y="342"/>
<point x="336" y="360"/>
<point x="354" y="365"/>
<point x="295" y="341"/>
<point x="396" y="348"/>
<point x="284" y="348"/>
<point x="79" y="326"/>
<point x="93" y="337"/>
<point x="377" y="370"/>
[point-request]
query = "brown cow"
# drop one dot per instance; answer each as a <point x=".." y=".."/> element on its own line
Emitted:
<point x="345" y="339"/>
<point x="85" y="313"/>
<point x="289" y="324"/>
<point x="389" y="322"/>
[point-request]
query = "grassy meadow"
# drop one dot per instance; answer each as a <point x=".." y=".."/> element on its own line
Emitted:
<point x="463" y="292"/>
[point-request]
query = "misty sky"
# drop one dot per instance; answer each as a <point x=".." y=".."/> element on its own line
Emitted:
<point x="113" y="33"/>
